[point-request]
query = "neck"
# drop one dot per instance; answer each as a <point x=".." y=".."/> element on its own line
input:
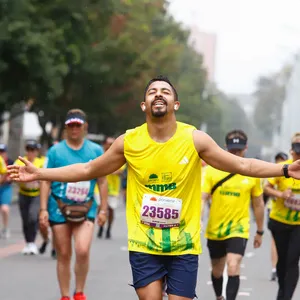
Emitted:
<point x="161" y="129"/>
<point x="75" y="144"/>
<point x="31" y="159"/>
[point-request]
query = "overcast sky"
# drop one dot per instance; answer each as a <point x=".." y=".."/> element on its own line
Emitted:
<point x="254" y="37"/>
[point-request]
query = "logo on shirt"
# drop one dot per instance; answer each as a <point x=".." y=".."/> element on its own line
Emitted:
<point x="153" y="178"/>
<point x="166" y="177"/>
<point x="161" y="187"/>
<point x="184" y="161"/>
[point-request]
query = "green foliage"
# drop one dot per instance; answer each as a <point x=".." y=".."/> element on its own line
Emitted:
<point x="270" y="94"/>
<point x="98" y="55"/>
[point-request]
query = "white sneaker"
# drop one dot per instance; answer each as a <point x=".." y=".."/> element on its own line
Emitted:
<point x="26" y="250"/>
<point x="33" y="249"/>
<point x="5" y="233"/>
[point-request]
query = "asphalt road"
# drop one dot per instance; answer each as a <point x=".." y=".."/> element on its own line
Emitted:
<point x="34" y="277"/>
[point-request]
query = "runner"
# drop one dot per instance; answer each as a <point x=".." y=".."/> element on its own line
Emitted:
<point x="114" y="191"/>
<point x="284" y="224"/>
<point x="163" y="191"/>
<point x="71" y="208"/>
<point x="228" y="225"/>
<point x="6" y="191"/>
<point x="279" y="157"/>
<point x="29" y="200"/>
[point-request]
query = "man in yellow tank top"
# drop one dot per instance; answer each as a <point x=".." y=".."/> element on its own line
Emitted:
<point x="228" y="225"/>
<point x="284" y="223"/>
<point x="163" y="191"/>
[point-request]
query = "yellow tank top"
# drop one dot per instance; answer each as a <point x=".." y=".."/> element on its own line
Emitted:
<point x="229" y="214"/>
<point x="287" y="212"/>
<point x="163" y="192"/>
<point x="32" y="188"/>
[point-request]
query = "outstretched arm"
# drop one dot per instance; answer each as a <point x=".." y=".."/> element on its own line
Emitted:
<point x="225" y="161"/>
<point x="106" y="164"/>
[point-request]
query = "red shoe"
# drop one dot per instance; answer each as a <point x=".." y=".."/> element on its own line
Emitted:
<point x="79" y="296"/>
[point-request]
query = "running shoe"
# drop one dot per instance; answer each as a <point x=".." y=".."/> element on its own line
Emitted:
<point x="26" y="250"/>
<point x="79" y="296"/>
<point x="33" y="250"/>
<point x="273" y="276"/>
<point x="43" y="247"/>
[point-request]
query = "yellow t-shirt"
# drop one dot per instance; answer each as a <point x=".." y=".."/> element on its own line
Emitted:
<point x="229" y="212"/>
<point x="2" y="166"/>
<point x="280" y="212"/>
<point x="163" y="192"/>
<point x="114" y="183"/>
<point x="31" y="189"/>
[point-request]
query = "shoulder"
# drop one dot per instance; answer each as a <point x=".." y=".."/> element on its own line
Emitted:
<point x="186" y="127"/>
<point x="135" y="131"/>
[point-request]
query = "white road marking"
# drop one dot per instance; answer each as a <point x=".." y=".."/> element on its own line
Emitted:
<point x="209" y="283"/>
<point x="246" y="294"/>
<point x="249" y="254"/>
<point x="124" y="248"/>
<point x="243" y="277"/>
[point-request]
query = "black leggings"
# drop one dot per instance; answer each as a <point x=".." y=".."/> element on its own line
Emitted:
<point x="287" y="240"/>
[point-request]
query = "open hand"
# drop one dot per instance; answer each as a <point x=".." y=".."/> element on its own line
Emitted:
<point x="25" y="173"/>
<point x="294" y="169"/>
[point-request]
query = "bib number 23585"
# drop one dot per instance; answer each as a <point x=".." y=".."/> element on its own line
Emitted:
<point x="161" y="212"/>
<point x="78" y="191"/>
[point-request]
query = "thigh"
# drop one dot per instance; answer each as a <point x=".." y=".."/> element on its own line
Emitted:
<point x="182" y="276"/>
<point x="217" y="249"/>
<point x="62" y="238"/>
<point x="24" y="207"/>
<point x="281" y="234"/>
<point x="146" y="269"/>
<point x="236" y="245"/>
<point x="34" y="207"/>
<point x="293" y="253"/>
<point x="83" y="235"/>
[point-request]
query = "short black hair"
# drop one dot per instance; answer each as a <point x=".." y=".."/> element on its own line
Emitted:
<point x="281" y="155"/>
<point x="161" y="78"/>
<point x="236" y="133"/>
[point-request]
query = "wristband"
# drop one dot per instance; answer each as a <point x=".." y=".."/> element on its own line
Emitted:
<point x="103" y="212"/>
<point x="285" y="169"/>
<point x="43" y="209"/>
<point x="260" y="232"/>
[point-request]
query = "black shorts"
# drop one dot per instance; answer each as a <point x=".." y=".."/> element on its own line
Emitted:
<point x="219" y="249"/>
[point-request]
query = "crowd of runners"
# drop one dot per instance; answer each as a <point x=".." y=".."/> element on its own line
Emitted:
<point x="170" y="172"/>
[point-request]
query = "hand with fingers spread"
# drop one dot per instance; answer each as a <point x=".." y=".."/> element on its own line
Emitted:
<point x="25" y="173"/>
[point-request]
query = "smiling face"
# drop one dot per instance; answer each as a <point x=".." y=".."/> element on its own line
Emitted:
<point x="159" y="100"/>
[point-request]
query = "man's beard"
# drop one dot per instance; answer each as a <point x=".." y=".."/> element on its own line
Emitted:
<point x="161" y="112"/>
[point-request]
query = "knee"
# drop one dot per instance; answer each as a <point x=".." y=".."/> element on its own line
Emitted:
<point x="233" y="267"/>
<point x="82" y="253"/>
<point x="5" y="209"/>
<point x="63" y="254"/>
<point x="218" y="269"/>
<point x="217" y="272"/>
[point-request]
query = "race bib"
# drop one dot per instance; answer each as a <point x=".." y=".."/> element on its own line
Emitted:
<point x="160" y="211"/>
<point x="293" y="202"/>
<point x="78" y="191"/>
<point x="34" y="185"/>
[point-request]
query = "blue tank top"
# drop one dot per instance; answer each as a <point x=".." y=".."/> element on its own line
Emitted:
<point x="61" y="155"/>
